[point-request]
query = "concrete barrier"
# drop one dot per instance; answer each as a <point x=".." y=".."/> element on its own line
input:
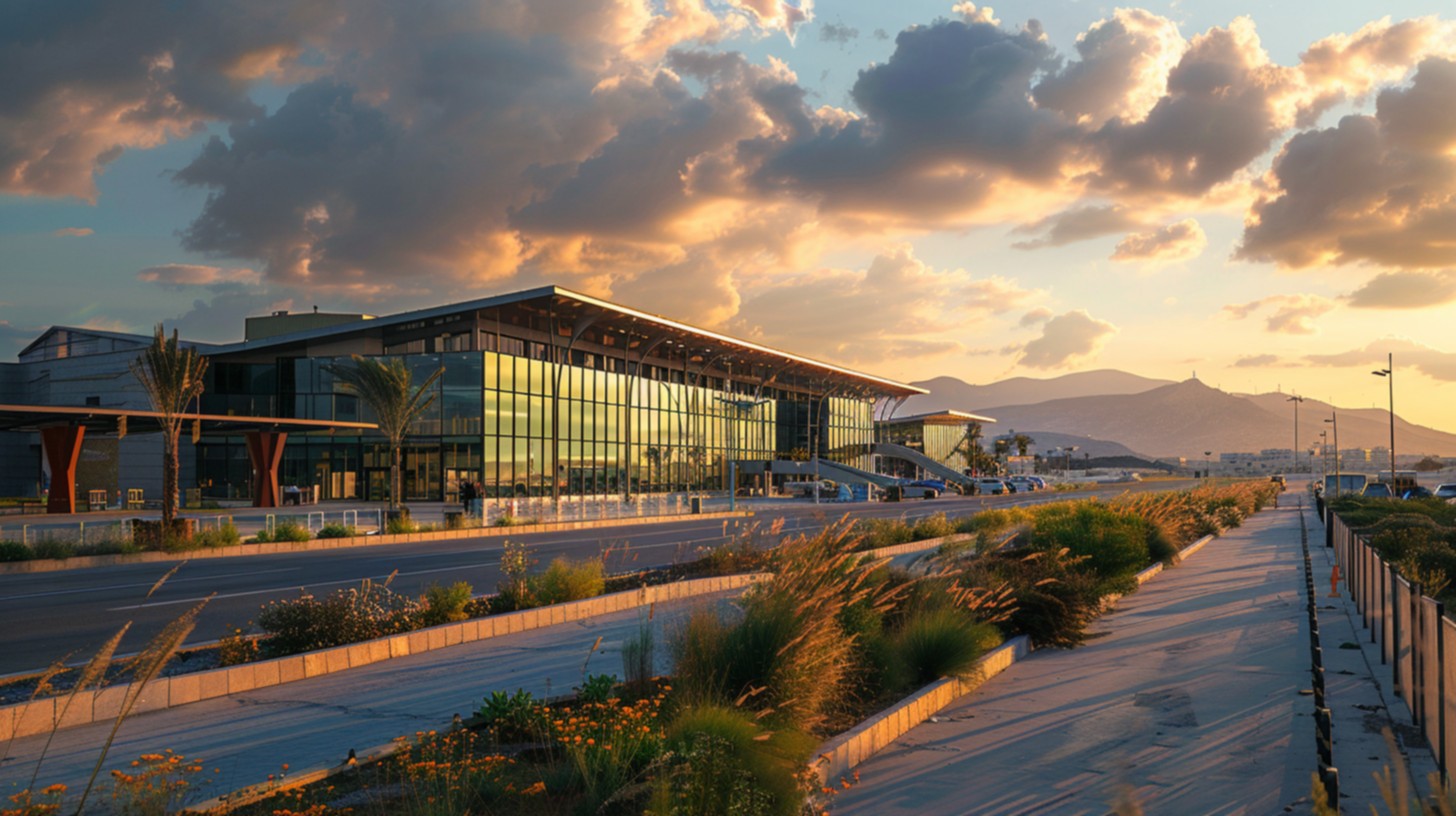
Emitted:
<point x="275" y="547"/>
<point x="43" y="715"/>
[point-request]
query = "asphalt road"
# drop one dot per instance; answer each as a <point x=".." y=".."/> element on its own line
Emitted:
<point x="67" y="615"/>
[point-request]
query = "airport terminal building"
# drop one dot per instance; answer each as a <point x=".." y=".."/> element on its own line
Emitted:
<point x="544" y="393"/>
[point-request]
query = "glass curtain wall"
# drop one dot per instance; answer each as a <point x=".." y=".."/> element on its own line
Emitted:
<point x="524" y="426"/>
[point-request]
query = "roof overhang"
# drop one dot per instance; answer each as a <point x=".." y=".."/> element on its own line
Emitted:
<point x="568" y="304"/>
<point x="36" y="417"/>
<point x="947" y="417"/>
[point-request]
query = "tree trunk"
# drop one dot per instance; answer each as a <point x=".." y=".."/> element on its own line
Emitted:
<point x="394" y="478"/>
<point x="169" y="478"/>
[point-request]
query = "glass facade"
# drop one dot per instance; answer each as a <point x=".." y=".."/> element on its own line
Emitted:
<point x="522" y="425"/>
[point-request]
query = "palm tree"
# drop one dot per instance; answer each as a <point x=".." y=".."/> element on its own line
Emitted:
<point x="385" y="386"/>
<point x="1022" y="442"/>
<point x="969" y="449"/>
<point x="172" y="376"/>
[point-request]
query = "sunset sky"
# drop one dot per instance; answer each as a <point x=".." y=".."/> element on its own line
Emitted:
<point x="1263" y="193"/>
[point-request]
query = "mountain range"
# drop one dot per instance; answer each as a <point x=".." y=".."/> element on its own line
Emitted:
<point x="1160" y="418"/>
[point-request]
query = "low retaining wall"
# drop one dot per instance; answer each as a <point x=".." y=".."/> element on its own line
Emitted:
<point x="839" y="756"/>
<point x="101" y="705"/>
<point x="273" y="547"/>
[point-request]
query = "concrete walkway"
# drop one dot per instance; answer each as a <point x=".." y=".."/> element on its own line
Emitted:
<point x="314" y="723"/>
<point x="1186" y="702"/>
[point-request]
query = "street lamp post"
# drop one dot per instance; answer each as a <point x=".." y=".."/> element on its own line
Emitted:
<point x="1334" y="421"/>
<point x="1324" y="456"/>
<point x="1295" y="450"/>
<point x="1206" y="472"/>
<point x="1389" y="374"/>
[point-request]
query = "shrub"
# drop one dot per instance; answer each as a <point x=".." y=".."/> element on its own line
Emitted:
<point x="877" y="533"/>
<point x="14" y="551"/>
<point x="514" y="589"/>
<point x="287" y="530"/>
<point x="568" y="580"/>
<point x="400" y="523"/>
<point x="53" y="548"/>
<point x="338" y="530"/>
<point x="718" y="760"/>
<point x="156" y="785"/>
<point x="346" y="616"/>
<point x="1115" y="543"/>
<point x="236" y="648"/>
<point x="511" y="717"/>
<point x="1054" y="598"/>
<point x="223" y="536"/>
<point x="597" y="688"/>
<point x="936" y="526"/>
<point x="445" y="604"/>
<point x="941" y="642"/>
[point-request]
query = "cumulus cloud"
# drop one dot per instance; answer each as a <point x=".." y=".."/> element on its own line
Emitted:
<point x="1284" y="314"/>
<point x="1070" y="337"/>
<point x="1434" y="363"/>
<point x="1077" y="224"/>
<point x="73" y="232"/>
<point x="1405" y="290"/>
<point x="1179" y="241"/>
<point x="874" y="314"/>
<point x="1257" y="361"/>
<point x="119" y="76"/>
<point x="219" y="319"/>
<point x="1378" y="189"/>
<point x="1122" y="70"/>
<point x="196" y="275"/>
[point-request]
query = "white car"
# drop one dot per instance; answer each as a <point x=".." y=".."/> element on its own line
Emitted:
<point x="990" y="486"/>
<point x="1446" y="491"/>
<point x="1022" y="484"/>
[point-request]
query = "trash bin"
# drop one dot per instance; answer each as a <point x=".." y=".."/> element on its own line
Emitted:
<point x="695" y="505"/>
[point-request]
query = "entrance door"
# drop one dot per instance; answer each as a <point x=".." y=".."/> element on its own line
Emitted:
<point x="376" y="484"/>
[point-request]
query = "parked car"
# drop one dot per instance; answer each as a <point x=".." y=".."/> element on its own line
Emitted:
<point x="991" y="486"/>
<point x="919" y="490"/>
<point x="1041" y="484"/>
<point x="1446" y="491"/>
<point x="1417" y="492"/>
<point x="1377" y="490"/>
<point x="1279" y="480"/>
<point x="1022" y="484"/>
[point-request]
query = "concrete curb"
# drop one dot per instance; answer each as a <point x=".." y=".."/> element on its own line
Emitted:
<point x="99" y="705"/>
<point x="838" y="757"/>
<point x="272" y="548"/>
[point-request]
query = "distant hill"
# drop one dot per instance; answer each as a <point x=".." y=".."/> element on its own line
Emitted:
<point x="1188" y="418"/>
<point x="949" y="392"/>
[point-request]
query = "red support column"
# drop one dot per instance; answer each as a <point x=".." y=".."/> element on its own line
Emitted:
<point x="265" y="451"/>
<point x="62" y="446"/>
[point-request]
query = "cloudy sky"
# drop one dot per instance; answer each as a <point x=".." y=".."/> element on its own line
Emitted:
<point x="1263" y="193"/>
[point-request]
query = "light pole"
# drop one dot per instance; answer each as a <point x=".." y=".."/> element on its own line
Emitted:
<point x="1206" y="472"/>
<point x="1334" y="421"/>
<point x="1067" y="473"/>
<point x="1295" y="450"/>
<point x="1389" y="374"/>
<point x="1324" y="456"/>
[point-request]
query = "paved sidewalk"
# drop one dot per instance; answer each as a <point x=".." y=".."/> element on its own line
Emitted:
<point x="1188" y="702"/>
<point x="314" y="723"/>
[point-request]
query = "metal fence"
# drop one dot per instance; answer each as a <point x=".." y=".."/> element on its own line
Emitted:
<point x="1412" y="632"/>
